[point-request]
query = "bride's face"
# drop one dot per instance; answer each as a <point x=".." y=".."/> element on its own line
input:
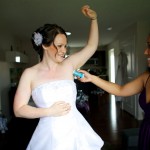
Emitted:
<point x="147" y="51"/>
<point x="57" y="50"/>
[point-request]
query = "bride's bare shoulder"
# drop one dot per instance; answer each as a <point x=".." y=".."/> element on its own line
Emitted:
<point x="30" y="70"/>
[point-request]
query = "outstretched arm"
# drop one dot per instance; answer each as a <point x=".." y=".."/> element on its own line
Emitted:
<point x="79" y="59"/>
<point x="131" y="88"/>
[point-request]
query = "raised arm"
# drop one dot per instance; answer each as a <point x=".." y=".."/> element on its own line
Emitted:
<point x="131" y="88"/>
<point x="78" y="59"/>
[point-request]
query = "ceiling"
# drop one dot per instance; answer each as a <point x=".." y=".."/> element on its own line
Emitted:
<point x="22" y="17"/>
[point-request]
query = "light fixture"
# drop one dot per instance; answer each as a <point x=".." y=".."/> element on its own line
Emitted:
<point x="68" y="33"/>
<point x="109" y="28"/>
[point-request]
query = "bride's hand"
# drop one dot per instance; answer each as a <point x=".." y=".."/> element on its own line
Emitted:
<point x="59" y="108"/>
<point x="89" y="12"/>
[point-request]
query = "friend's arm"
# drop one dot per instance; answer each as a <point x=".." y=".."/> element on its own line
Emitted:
<point x="131" y="88"/>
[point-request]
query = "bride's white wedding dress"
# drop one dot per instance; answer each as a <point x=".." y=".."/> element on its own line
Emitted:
<point x="68" y="132"/>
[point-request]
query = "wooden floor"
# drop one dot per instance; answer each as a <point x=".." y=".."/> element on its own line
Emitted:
<point x="108" y="120"/>
<point x="105" y="116"/>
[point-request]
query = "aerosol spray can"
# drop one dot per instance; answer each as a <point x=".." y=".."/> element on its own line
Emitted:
<point x="78" y="74"/>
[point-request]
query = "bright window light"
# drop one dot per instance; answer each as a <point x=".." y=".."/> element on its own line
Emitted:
<point x="17" y="59"/>
<point x="111" y="65"/>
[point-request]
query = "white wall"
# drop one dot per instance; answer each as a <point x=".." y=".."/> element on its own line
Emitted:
<point x="133" y="41"/>
<point x="143" y="29"/>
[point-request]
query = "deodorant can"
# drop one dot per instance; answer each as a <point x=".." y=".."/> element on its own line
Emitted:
<point x="78" y="74"/>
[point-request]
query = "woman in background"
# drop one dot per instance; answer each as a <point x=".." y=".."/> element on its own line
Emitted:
<point x="51" y="85"/>
<point x="140" y="85"/>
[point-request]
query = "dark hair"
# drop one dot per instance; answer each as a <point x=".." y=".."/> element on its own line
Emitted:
<point x="48" y="33"/>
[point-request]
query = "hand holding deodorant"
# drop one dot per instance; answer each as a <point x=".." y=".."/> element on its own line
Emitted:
<point x="78" y="74"/>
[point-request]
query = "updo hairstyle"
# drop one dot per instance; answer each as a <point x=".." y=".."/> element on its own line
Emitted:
<point x="45" y="35"/>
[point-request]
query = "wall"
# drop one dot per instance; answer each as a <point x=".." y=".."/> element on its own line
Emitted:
<point x="6" y="41"/>
<point x="143" y="29"/>
<point x="127" y="44"/>
<point x="132" y="41"/>
<point x="4" y="87"/>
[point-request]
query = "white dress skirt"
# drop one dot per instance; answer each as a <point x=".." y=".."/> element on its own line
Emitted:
<point x="68" y="132"/>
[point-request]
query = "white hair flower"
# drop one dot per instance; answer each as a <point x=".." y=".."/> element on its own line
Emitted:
<point x="37" y="39"/>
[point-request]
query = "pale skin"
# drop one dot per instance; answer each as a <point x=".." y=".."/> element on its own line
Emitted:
<point x="54" y="67"/>
<point x="131" y="88"/>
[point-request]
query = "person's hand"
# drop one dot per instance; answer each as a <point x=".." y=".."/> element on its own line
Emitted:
<point x="89" y="12"/>
<point x="87" y="76"/>
<point x="59" y="108"/>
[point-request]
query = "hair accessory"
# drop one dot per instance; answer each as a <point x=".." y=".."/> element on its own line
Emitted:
<point x="37" y="39"/>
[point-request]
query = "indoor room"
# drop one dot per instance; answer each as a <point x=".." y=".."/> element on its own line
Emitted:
<point x="123" y="28"/>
